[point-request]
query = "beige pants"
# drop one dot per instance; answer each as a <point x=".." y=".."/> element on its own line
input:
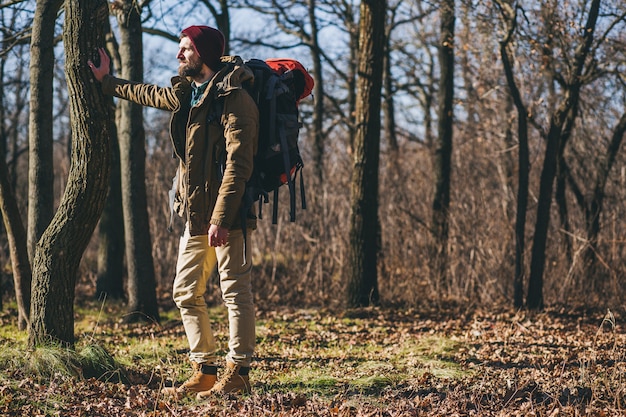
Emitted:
<point x="196" y="260"/>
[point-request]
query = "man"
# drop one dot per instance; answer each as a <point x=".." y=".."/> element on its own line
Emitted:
<point x="214" y="131"/>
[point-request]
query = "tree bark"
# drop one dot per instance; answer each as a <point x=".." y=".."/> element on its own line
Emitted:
<point x="40" y="165"/>
<point x="560" y="195"/>
<point x="16" y="236"/>
<point x="389" y="107"/>
<point x="364" y="221"/>
<point x="141" y="291"/>
<point x="318" y="94"/>
<point x="443" y="151"/>
<point x="110" y="275"/>
<point x="59" y="251"/>
<point x="11" y="121"/>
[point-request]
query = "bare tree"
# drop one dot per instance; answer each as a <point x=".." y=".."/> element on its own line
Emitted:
<point x="592" y="203"/>
<point x="443" y="149"/>
<point x="509" y="16"/>
<point x="16" y="236"/>
<point x="110" y="275"/>
<point x="364" y="220"/>
<point x="41" y="173"/>
<point x="9" y="122"/>
<point x="560" y="124"/>
<point x="61" y="246"/>
<point x="142" y="303"/>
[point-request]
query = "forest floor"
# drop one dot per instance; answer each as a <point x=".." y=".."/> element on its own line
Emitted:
<point x="371" y="362"/>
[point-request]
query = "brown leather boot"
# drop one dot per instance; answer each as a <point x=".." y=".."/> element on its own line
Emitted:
<point x="198" y="382"/>
<point x="234" y="381"/>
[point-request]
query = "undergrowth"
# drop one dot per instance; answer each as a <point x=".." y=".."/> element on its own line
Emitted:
<point x="311" y="362"/>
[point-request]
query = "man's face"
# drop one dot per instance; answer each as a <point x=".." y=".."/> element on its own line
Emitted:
<point x="189" y="62"/>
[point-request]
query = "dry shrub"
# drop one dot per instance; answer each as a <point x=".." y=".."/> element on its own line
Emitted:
<point x="302" y="264"/>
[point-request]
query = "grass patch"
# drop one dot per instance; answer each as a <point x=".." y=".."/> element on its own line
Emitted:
<point x="51" y="361"/>
<point x="432" y="354"/>
<point x="306" y="354"/>
<point x="11" y="358"/>
<point x="371" y="383"/>
<point x="96" y="362"/>
<point x="48" y="361"/>
<point x="11" y="336"/>
<point x="303" y="380"/>
<point x="310" y="362"/>
<point x="325" y="355"/>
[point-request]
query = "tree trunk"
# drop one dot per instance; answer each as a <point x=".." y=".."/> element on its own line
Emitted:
<point x="16" y="236"/>
<point x="443" y="151"/>
<point x="110" y="276"/>
<point x="318" y="94"/>
<point x="510" y="18"/>
<point x="569" y="103"/>
<point x="351" y="75"/>
<point x="560" y="194"/>
<point x="222" y="18"/>
<point x="534" y="298"/>
<point x="364" y="221"/>
<point x="40" y="165"/>
<point x="59" y="251"/>
<point x="142" y="302"/>
<point x="389" y="107"/>
<point x="11" y="121"/>
<point x="594" y="211"/>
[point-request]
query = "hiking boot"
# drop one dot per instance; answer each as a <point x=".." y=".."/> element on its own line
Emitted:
<point x="203" y="379"/>
<point x="234" y="381"/>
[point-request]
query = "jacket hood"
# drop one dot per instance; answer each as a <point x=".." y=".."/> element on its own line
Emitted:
<point x="233" y="75"/>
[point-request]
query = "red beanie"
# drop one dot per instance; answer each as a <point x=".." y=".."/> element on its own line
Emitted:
<point x="209" y="44"/>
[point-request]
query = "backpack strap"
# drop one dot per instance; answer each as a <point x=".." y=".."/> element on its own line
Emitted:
<point x="172" y="197"/>
<point x="290" y="181"/>
<point x="302" y="194"/>
<point x="272" y="92"/>
<point x="275" y="207"/>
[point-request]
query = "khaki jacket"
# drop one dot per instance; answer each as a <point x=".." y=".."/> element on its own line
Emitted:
<point x="204" y="137"/>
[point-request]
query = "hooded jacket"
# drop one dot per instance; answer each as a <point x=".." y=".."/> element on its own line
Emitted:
<point x="220" y="132"/>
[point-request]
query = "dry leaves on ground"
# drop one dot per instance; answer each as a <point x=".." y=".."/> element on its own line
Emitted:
<point x="372" y="363"/>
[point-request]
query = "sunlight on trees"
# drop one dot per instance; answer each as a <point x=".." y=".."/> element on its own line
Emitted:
<point x="537" y="121"/>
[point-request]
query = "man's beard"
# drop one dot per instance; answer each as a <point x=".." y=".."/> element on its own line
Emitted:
<point x="190" y="69"/>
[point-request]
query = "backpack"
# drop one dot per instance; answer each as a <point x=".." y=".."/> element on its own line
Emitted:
<point x="278" y="87"/>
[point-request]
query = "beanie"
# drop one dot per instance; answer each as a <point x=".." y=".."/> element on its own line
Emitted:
<point x="209" y="44"/>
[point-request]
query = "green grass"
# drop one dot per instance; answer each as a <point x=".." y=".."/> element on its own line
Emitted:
<point x="325" y="363"/>
<point x="50" y="361"/>
<point x="308" y="354"/>
<point x="309" y="362"/>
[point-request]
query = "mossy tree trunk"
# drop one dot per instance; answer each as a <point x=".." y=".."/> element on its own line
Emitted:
<point x="59" y="251"/>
